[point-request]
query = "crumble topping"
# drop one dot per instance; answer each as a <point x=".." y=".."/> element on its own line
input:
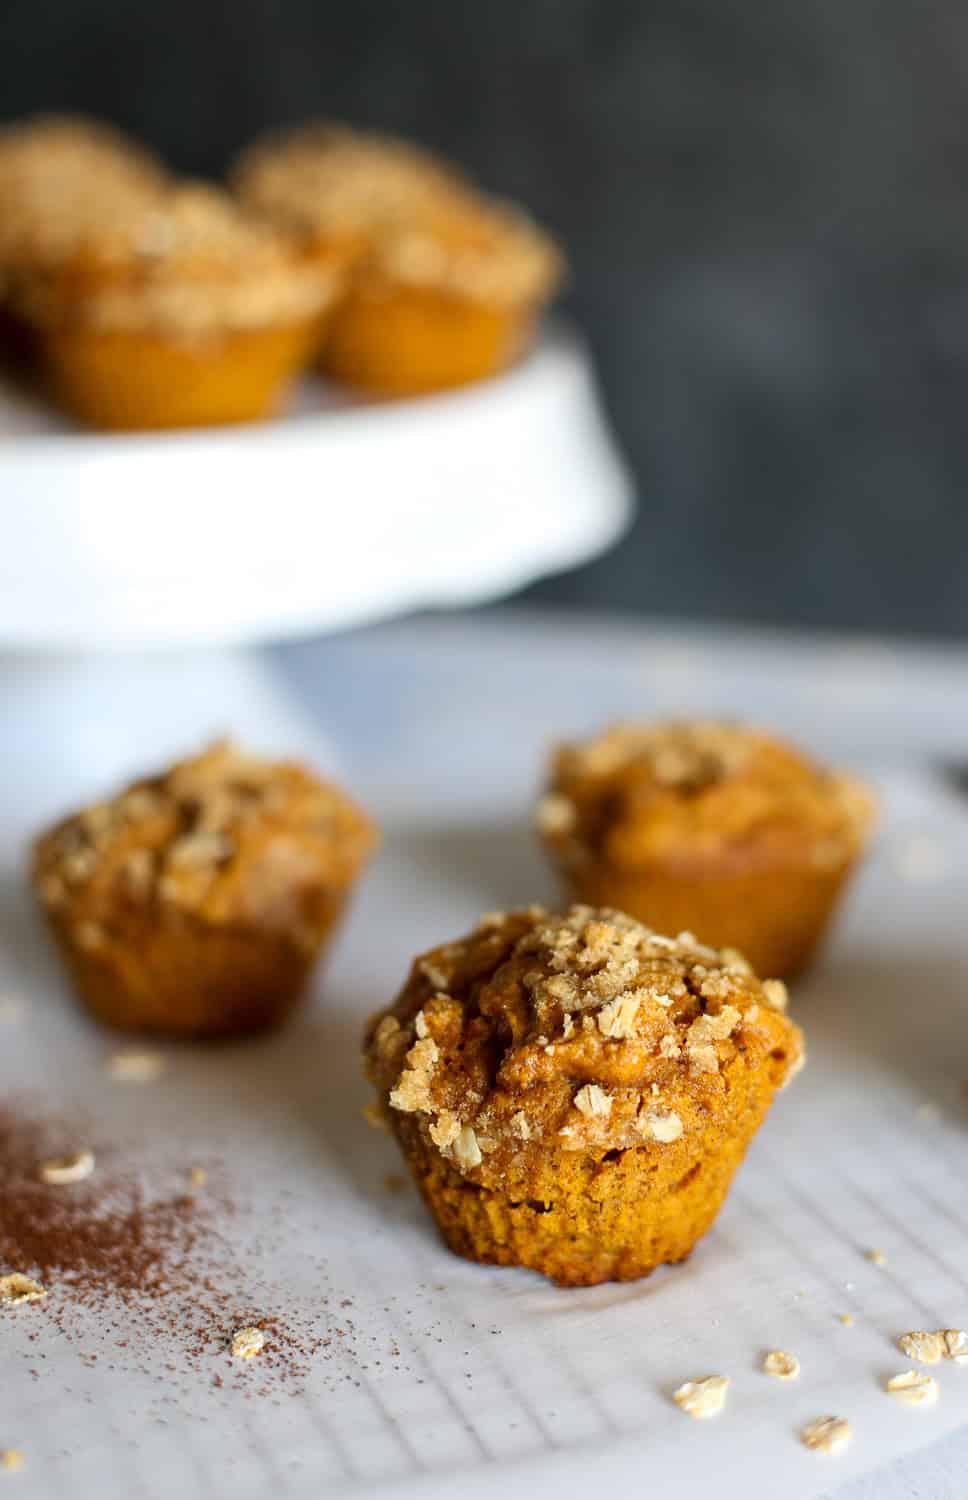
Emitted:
<point x="781" y="1365"/>
<point x="775" y="994"/>
<point x="584" y="1030"/>
<point x="665" y="1128"/>
<point x="914" y="1388"/>
<point x="592" y="1100"/>
<point x="702" y="1398"/>
<point x="640" y="792"/>
<point x="399" y="211"/>
<point x="413" y="1086"/>
<point x="829" y="1435"/>
<point x="225" y="835"/>
<point x="125" y="254"/>
<point x="467" y="1150"/>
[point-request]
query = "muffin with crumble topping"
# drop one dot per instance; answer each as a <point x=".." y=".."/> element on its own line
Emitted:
<point x="161" y="305"/>
<point x="197" y="902"/>
<point x="574" y="1092"/>
<point x="715" y="828"/>
<point x="442" y="284"/>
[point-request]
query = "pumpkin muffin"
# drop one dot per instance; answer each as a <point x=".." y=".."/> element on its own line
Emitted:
<point x="158" y="307"/>
<point x="574" y="1092"/>
<point x="197" y="902"/>
<point x="48" y="166"/>
<point x="443" y="286"/>
<point x="713" y="827"/>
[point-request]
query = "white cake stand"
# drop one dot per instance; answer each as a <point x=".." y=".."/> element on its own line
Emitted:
<point x="202" y="543"/>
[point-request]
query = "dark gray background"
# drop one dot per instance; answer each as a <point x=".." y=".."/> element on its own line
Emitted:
<point x="766" y="209"/>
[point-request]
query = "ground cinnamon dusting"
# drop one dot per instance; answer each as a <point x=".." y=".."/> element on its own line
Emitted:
<point x="149" y="1262"/>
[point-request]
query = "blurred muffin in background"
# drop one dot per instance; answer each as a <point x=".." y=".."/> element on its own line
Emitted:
<point x="161" y="304"/>
<point x="710" y="828"/>
<point x="442" y="285"/>
<point x="49" y="167"/>
<point x="197" y="902"/>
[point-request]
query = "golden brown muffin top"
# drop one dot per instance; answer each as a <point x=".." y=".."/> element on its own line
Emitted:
<point x="682" y="791"/>
<point x="542" y="1032"/>
<point x="225" y="837"/>
<point x="327" y="180"/>
<point x="417" y="219"/>
<point x="122" y="254"/>
<point x="46" y="151"/>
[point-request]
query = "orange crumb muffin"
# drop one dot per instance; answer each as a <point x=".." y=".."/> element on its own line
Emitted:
<point x="48" y="165"/>
<point x="445" y="287"/>
<point x="713" y="827"/>
<point x="197" y="902"/>
<point x="162" y="307"/>
<point x="574" y="1092"/>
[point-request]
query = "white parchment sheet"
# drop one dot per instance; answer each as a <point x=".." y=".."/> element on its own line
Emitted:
<point x="445" y="1372"/>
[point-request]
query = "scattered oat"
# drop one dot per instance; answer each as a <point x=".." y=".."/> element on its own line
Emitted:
<point x="876" y="1257"/>
<point x="846" y="1318"/>
<point x="926" y="1348"/>
<point x="914" y="1388"/>
<point x="247" y="1343"/>
<point x="955" y="1344"/>
<point x="617" y="1018"/>
<point x="781" y="1365"/>
<point x="16" y="1288"/>
<point x="702" y="1398"/>
<point x="467" y="1151"/>
<point x="592" y="1100"/>
<point x="775" y="994"/>
<point x="12" y="1460"/>
<point x="136" y="1067"/>
<point x="827" y="1435"/>
<point x="197" y="1178"/>
<point x="663" y="1127"/>
<point x="67" y="1169"/>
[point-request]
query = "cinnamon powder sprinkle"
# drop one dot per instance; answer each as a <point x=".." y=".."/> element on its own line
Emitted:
<point x="135" y="1253"/>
